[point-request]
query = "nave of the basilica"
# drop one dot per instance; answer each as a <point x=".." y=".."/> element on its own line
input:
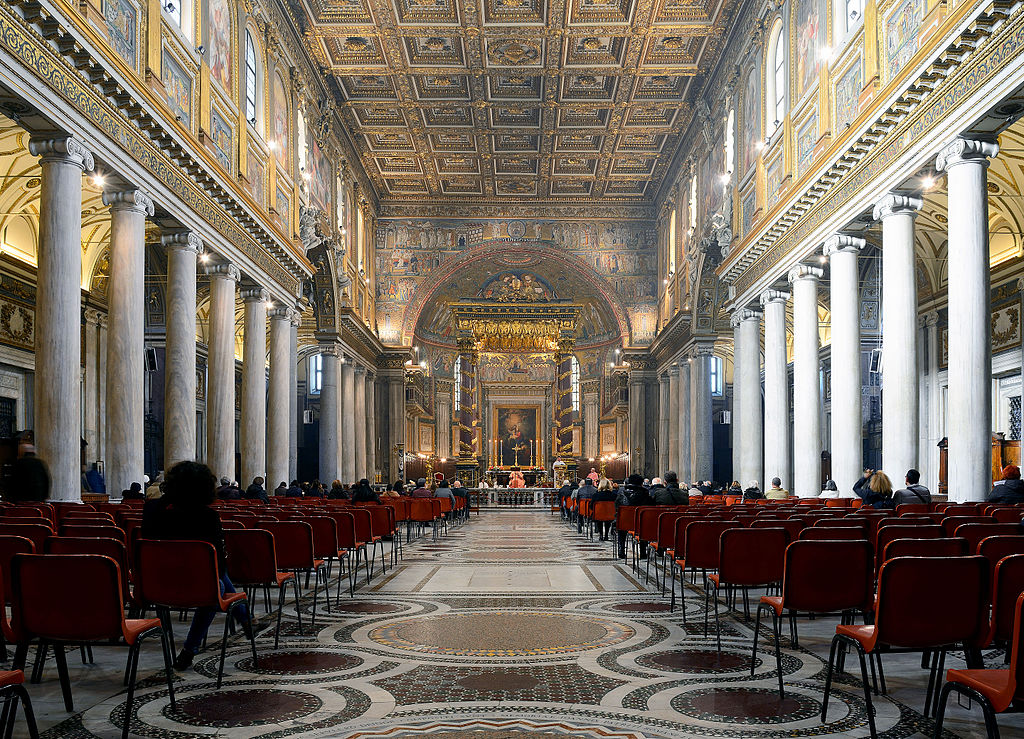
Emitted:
<point x="587" y="368"/>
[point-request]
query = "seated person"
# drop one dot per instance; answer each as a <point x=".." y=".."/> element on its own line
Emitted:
<point x="1010" y="489"/>
<point x="914" y="492"/>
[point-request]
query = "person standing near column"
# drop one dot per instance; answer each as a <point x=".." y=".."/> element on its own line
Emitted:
<point x="806" y="382"/>
<point x="844" y="299"/>
<point x="969" y="428"/>
<point x="899" y="332"/>
<point x="126" y="343"/>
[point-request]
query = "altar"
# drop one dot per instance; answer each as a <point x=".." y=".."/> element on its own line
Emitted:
<point x="534" y="477"/>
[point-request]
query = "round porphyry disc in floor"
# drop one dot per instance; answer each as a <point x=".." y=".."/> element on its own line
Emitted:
<point x="704" y="661"/>
<point x="501" y="634"/>
<point x="255" y="707"/>
<point x="746" y="705"/>
<point x="301" y="662"/>
<point x="362" y="606"/>
<point x="640" y="607"/>
<point x="495" y="681"/>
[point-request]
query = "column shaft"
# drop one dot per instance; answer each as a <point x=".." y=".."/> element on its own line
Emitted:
<point x="899" y="334"/>
<point x="672" y="459"/>
<point x="701" y="438"/>
<point x="293" y="400"/>
<point x="93" y="380"/>
<point x="637" y="424"/>
<point x="126" y="343"/>
<point x="736" y="427"/>
<point x="683" y="462"/>
<point x="806" y="383"/>
<point x="220" y="386"/>
<point x="751" y="433"/>
<point x="664" y="424"/>
<point x="279" y="398"/>
<point x="969" y="420"/>
<point x="359" y="419"/>
<point x="371" y="427"/>
<point x="844" y="298"/>
<point x="396" y="425"/>
<point x="254" y="386"/>
<point x="180" y="355"/>
<point x="330" y="386"/>
<point x="348" y="422"/>
<point x="776" y="390"/>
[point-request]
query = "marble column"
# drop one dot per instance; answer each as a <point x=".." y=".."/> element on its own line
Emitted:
<point x="348" y="421"/>
<point x="806" y="382"/>
<point x="58" y="321"/>
<point x="672" y="460"/>
<point x="293" y="399"/>
<point x="637" y="422"/>
<point x="93" y="381"/>
<point x="735" y="428"/>
<point x="664" y="425"/>
<point x="370" y="391"/>
<point x="180" y="355"/>
<point x="591" y="425"/>
<point x="930" y="473"/>
<point x="444" y="427"/>
<point x="969" y="406"/>
<point x="220" y="385"/>
<point x="279" y="397"/>
<point x="254" y="385"/>
<point x="777" y="459"/>
<point x="126" y="344"/>
<point x="899" y="333"/>
<point x="102" y="373"/>
<point x="396" y="423"/>
<point x="751" y="432"/>
<point x="844" y="299"/>
<point x="359" y="419"/>
<point x="701" y="438"/>
<point x="683" y="462"/>
<point x="330" y="387"/>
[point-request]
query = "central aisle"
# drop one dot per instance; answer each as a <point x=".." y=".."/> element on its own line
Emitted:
<point x="511" y="622"/>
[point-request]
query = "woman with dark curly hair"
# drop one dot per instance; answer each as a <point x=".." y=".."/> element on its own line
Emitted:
<point x="183" y="512"/>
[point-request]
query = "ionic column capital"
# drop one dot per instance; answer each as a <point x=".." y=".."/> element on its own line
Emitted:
<point x="281" y="312"/>
<point x="223" y="271"/>
<point x="896" y="204"/>
<point x="771" y="296"/>
<point x="296" y="318"/>
<point x="805" y="272"/>
<point x="744" y="314"/>
<point x="700" y="351"/>
<point x="94" y="317"/>
<point x="842" y="243"/>
<point x="254" y="294"/>
<point x="963" y="151"/>
<point x="332" y="350"/>
<point x="673" y="371"/>
<point x="130" y="200"/>
<point x="65" y="149"/>
<point x="929" y="319"/>
<point x="360" y="370"/>
<point x="182" y="241"/>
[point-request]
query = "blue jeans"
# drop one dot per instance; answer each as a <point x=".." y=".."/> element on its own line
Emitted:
<point x="203" y="618"/>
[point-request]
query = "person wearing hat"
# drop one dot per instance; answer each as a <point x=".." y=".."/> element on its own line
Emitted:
<point x="1010" y="489"/>
<point x="422" y="491"/>
<point x="632" y="493"/>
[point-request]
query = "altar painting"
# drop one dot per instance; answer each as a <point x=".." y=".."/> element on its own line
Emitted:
<point x="608" y="443"/>
<point x="516" y="433"/>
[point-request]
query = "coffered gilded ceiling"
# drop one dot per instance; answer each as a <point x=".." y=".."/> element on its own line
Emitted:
<point x="468" y="104"/>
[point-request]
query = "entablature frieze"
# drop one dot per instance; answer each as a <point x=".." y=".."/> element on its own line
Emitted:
<point x="827" y="198"/>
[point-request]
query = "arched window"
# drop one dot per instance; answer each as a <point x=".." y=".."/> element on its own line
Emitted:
<point x="775" y="110"/>
<point x="316" y="374"/>
<point x="575" y="385"/>
<point x="458" y="384"/>
<point x="251" y="81"/>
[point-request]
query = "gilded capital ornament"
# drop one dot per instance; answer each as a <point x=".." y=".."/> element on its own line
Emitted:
<point x="962" y="151"/>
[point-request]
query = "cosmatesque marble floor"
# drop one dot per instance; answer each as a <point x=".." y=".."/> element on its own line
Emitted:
<point x="511" y="624"/>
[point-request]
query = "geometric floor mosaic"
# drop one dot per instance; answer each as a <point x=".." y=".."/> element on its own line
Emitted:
<point x="512" y="625"/>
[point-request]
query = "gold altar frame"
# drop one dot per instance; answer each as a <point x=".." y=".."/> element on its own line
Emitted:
<point x="538" y="408"/>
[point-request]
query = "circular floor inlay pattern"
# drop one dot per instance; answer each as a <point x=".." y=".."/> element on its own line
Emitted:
<point x="501" y="633"/>
<point x="498" y="681"/>
<point x="705" y="661"/>
<point x="231" y="708"/>
<point x="357" y="606"/>
<point x="640" y="607"/>
<point x="746" y="706"/>
<point x="301" y="662"/>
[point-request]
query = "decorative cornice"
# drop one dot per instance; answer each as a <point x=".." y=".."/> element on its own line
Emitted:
<point x="182" y="240"/>
<point x="963" y="151"/>
<point x="66" y="149"/>
<point x="805" y="272"/>
<point x="896" y="204"/>
<point x="837" y="243"/>
<point x="773" y="296"/>
<point x="130" y="199"/>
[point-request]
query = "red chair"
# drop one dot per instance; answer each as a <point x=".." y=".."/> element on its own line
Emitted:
<point x="1007" y="584"/>
<point x="646" y="532"/>
<point x="106" y="547"/>
<point x="792" y="526"/>
<point x="12" y="690"/>
<point x="420" y="512"/>
<point x="252" y="563"/>
<point x="625" y="521"/>
<point x="944" y="547"/>
<point x="181" y="575"/>
<point x="819" y="578"/>
<point x="345" y="526"/>
<point x="380" y="526"/>
<point x="102" y="532"/>
<point x="975" y="532"/>
<point x="844" y="522"/>
<point x="37" y="533"/>
<point x="47" y="584"/>
<point x="22" y="511"/>
<point x="994" y="548"/>
<point x="293" y="541"/>
<point x="747" y="558"/>
<point x="911" y="591"/>
<point x="832" y="533"/>
<point x="700" y="552"/>
<point x="904" y="508"/>
<point x="1008" y="515"/>
<point x="662" y="543"/>
<point x="365" y="532"/>
<point x="950" y="523"/>
<point x="604" y="513"/>
<point x="893" y="532"/>
<point x="995" y="690"/>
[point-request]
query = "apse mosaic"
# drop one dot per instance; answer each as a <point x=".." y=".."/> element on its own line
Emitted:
<point x="416" y="254"/>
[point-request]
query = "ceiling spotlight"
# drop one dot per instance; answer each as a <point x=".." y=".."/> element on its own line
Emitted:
<point x="98" y="180"/>
<point x="928" y="183"/>
<point x="826" y="53"/>
<point x="270" y="304"/>
<point x="823" y="259"/>
<point x="204" y="257"/>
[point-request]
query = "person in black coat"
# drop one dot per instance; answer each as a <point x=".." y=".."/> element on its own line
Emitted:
<point x="363" y="493"/>
<point x="294" y="490"/>
<point x="183" y="512"/>
<point x="564" y="494"/>
<point x="1010" y="489"/>
<point x="255" y="491"/>
<point x="29" y="477"/>
<point x="632" y="493"/>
